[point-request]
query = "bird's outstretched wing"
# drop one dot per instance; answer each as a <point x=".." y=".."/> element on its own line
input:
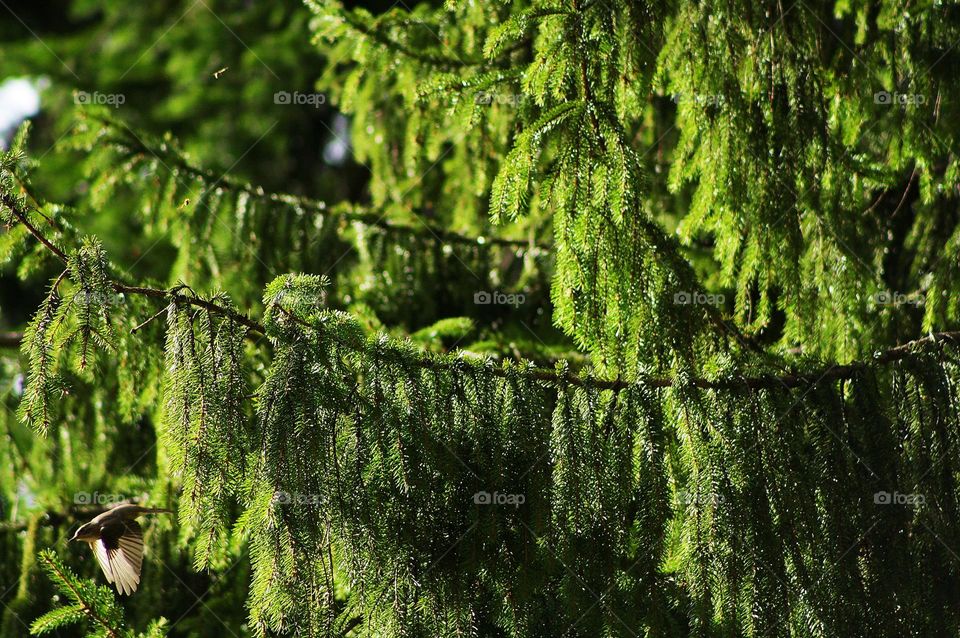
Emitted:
<point x="120" y="554"/>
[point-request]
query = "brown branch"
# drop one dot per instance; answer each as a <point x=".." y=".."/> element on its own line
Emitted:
<point x="159" y="293"/>
<point x="442" y="61"/>
<point x="22" y="216"/>
<point x="371" y="217"/>
<point x="830" y="373"/>
<point x="175" y="295"/>
<point x="67" y="516"/>
<point x="10" y="339"/>
<point x="52" y="518"/>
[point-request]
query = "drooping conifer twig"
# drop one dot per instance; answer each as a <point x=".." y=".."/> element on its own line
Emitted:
<point x="131" y="142"/>
<point x="431" y="361"/>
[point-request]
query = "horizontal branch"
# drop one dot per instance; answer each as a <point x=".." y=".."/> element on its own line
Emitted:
<point x="21" y="215"/>
<point x="172" y="294"/>
<point x="367" y="216"/>
<point x="427" y="360"/>
<point x="58" y="518"/>
<point x="10" y="339"/>
<point x="831" y="373"/>
<point x="442" y="61"/>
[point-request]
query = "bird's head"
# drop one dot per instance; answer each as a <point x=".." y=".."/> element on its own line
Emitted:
<point x="86" y="532"/>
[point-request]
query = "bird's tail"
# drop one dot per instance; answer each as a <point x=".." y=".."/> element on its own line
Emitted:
<point x="155" y="510"/>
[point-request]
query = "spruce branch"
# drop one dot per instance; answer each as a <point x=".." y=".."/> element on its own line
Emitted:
<point x="437" y="361"/>
<point x="447" y="361"/>
<point x="369" y="216"/>
<point x="90" y="600"/>
<point x="378" y="33"/>
<point x="10" y="203"/>
<point x="172" y="294"/>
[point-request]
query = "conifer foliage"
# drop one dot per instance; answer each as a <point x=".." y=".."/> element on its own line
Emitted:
<point x="86" y="602"/>
<point x="740" y="217"/>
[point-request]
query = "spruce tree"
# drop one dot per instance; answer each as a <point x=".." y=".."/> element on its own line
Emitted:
<point x="494" y="319"/>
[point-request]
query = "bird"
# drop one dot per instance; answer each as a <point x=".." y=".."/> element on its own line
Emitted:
<point x="117" y="543"/>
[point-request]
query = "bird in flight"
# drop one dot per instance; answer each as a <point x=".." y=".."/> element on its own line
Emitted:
<point x="117" y="543"/>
